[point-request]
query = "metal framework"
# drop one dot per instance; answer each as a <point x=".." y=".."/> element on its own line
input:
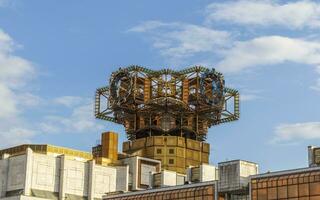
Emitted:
<point x="167" y="102"/>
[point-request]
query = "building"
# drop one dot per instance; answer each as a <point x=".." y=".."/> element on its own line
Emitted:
<point x="50" y="172"/>
<point x="166" y="115"/>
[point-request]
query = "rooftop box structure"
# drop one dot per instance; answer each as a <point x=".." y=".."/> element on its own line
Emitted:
<point x="139" y="171"/>
<point x="234" y="175"/>
<point x="202" y="173"/>
<point x="167" y="178"/>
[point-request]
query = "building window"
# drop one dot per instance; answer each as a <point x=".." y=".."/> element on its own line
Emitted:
<point x="159" y="151"/>
<point x="171" y="151"/>
<point x="171" y="161"/>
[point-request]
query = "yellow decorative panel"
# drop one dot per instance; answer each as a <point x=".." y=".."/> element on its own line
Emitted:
<point x="181" y="142"/>
<point x="158" y="140"/>
<point x="180" y="162"/>
<point x="189" y="154"/>
<point x="171" y="141"/>
<point x="147" y="89"/>
<point x="180" y="152"/>
<point x="185" y="91"/>
<point x="149" y="141"/>
<point x="139" y="143"/>
<point x="126" y="146"/>
<point x="205" y="158"/>
<point x="205" y="147"/>
<point x="196" y="155"/>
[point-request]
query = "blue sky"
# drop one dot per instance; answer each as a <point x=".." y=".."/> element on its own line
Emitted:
<point x="53" y="55"/>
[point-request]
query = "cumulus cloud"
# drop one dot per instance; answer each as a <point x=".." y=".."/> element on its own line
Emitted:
<point x="16" y="136"/>
<point x="15" y="73"/>
<point x="316" y="86"/>
<point x="248" y="97"/>
<point x="297" y="131"/>
<point x="269" y="50"/>
<point x="69" y="101"/>
<point x="292" y="14"/>
<point x="80" y="120"/>
<point x="177" y="41"/>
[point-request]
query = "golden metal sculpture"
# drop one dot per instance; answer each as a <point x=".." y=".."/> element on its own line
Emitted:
<point x="166" y="102"/>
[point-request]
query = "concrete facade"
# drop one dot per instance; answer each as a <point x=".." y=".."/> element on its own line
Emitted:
<point x="33" y="176"/>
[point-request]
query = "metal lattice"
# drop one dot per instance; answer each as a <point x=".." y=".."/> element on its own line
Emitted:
<point x="167" y="102"/>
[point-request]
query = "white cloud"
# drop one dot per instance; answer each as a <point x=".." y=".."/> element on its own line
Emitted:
<point x="269" y="50"/>
<point x="177" y="40"/>
<point x="80" y="120"/>
<point x="293" y="14"/>
<point x="69" y="101"/>
<point x="317" y="85"/>
<point x="248" y="97"/>
<point x="297" y="132"/>
<point x="16" y="136"/>
<point x="15" y="73"/>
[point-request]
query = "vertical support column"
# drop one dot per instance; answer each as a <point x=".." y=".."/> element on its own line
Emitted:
<point x="28" y="178"/>
<point x="91" y="185"/>
<point x="216" y="197"/>
<point x="109" y="142"/>
<point x="4" y="179"/>
<point x="310" y="156"/>
<point x="63" y="178"/>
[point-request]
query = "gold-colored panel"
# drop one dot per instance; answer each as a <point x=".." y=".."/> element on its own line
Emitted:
<point x="139" y="143"/>
<point x="193" y="144"/>
<point x="191" y="163"/>
<point x="205" y="147"/>
<point x="150" y="151"/>
<point x="171" y="161"/>
<point x="196" y="155"/>
<point x="149" y="141"/>
<point x="205" y="158"/>
<point x="126" y="146"/>
<point x="171" y="151"/>
<point x="181" y="162"/>
<point x="171" y="140"/>
<point x="189" y="153"/>
<point x="185" y="91"/>
<point x="317" y="151"/>
<point x="159" y="151"/>
<point x="180" y="152"/>
<point x="317" y="159"/>
<point x="158" y="140"/>
<point x="147" y="90"/>
<point x="181" y="142"/>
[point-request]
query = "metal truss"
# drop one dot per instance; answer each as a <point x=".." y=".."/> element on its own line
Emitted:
<point x="167" y="102"/>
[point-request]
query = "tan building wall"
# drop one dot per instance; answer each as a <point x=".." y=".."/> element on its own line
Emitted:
<point x="303" y="184"/>
<point x="200" y="191"/>
<point x="175" y="153"/>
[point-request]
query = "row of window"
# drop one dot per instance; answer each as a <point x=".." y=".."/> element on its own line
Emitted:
<point x="206" y="192"/>
<point x="286" y="180"/>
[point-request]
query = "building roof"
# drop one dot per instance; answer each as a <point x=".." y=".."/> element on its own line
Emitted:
<point x="285" y="172"/>
<point x="163" y="189"/>
<point x="46" y="149"/>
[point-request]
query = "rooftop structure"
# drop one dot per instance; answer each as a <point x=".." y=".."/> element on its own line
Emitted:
<point x="167" y="113"/>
